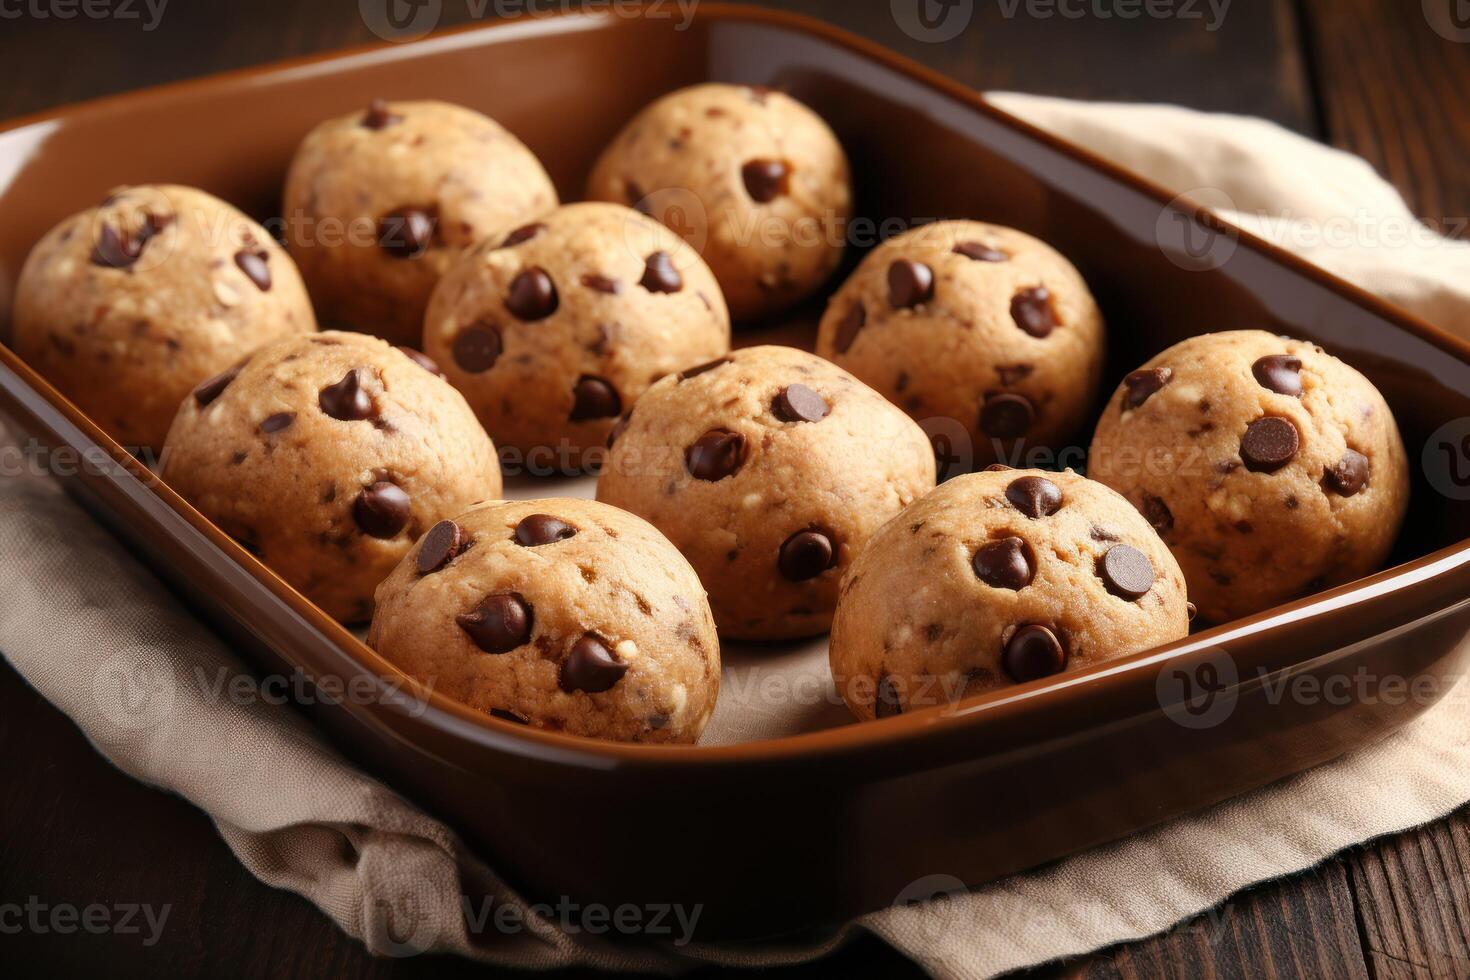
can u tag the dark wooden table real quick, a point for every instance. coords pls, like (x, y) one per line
(1367, 75)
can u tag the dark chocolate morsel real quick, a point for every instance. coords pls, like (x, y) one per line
(1005, 563)
(381, 510)
(477, 348)
(1281, 373)
(591, 666)
(1033, 312)
(909, 284)
(444, 541)
(1034, 496)
(1126, 572)
(594, 398)
(1141, 385)
(798, 403)
(209, 390)
(805, 555)
(1269, 443)
(539, 529)
(715, 455)
(500, 623)
(1032, 652)
(346, 399)
(1348, 475)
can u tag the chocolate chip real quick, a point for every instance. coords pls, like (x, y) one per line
(346, 400)
(766, 180)
(1191, 611)
(539, 529)
(888, 703)
(215, 386)
(1032, 652)
(1126, 572)
(1006, 415)
(422, 360)
(506, 715)
(591, 666)
(477, 348)
(594, 398)
(381, 510)
(997, 468)
(715, 455)
(120, 249)
(115, 250)
(1269, 443)
(1348, 475)
(980, 252)
(847, 329)
(255, 263)
(602, 284)
(909, 284)
(406, 233)
(1034, 496)
(1004, 564)
(277, 422)
(378, 116)
(805, 555)
(532, 295)
(798, 403)
(1143, 383)
(444, 541)
(699, 369)
(523, 234)
(1280, 373)
(659, 274)
(1033, 312)
(500, 623)
(619, 427)
(1157, 513)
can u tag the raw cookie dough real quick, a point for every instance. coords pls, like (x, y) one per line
(379, 203)
(567, 615)
(769, 469)
(754, 179)
(998, 578)
(327, 456)
(1272, 469)
(126, 306)
(985, 334)
(552, 330)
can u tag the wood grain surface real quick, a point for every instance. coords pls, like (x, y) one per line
(1387, 79)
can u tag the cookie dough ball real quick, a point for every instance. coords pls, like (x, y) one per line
(553, 330)
(769, 469)
(127, 306)
(567, 615)
(985, 333)
(327, 456)
(1272, 469)
(999, 578)
(753, 178)
(379, 203)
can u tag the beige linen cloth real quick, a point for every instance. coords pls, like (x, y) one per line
(97, 635)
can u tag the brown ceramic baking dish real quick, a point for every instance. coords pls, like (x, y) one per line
(798, 832)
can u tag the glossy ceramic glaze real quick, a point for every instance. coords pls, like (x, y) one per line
(803, 831)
